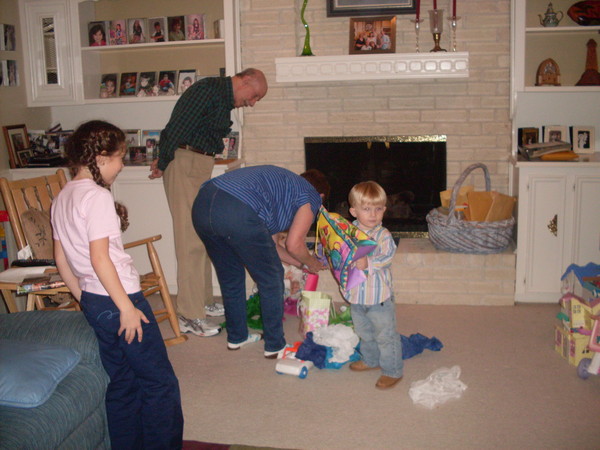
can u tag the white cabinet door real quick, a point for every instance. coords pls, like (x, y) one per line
(52, 62)
(558, 225)
(585, 242)
(540, 235)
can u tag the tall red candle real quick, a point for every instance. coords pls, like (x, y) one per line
(434, 4)
(418, 6)
(453, 8)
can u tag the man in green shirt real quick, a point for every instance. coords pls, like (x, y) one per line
(194, 134)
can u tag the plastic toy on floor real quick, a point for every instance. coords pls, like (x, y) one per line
(591, 366)
(290, 365)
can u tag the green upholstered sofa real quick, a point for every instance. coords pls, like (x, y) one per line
(74, 416)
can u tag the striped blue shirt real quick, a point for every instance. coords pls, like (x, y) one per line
(378, 286)
(273, 192)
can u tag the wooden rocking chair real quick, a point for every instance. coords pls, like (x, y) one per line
(28, 201)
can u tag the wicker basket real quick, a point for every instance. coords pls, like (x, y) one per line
(453, 234)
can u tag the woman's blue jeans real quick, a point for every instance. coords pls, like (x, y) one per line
(143, 403)
(380, 343)
(237, 239)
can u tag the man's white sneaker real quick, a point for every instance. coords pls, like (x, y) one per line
(199, 327)
(252, 337)
(215, 310)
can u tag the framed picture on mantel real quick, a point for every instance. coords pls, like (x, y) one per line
(372, 35)
(349, 8)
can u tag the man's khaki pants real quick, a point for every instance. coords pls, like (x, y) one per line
(182, 180)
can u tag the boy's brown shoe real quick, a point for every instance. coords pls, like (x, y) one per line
(386, 382)
(360, 366)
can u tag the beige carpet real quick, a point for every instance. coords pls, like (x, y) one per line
(520, 393)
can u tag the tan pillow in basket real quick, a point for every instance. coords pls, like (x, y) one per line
(38, 233)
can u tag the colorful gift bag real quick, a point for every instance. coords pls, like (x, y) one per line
(339, 244)
(314, 308)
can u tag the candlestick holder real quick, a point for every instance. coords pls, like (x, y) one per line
(453, 23)
(417, 23)
(436, 23)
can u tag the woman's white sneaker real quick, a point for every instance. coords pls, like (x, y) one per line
(252, 337)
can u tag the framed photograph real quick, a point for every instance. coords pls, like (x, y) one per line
(2, 37)
(108, 85)
(3, 73)
(349, 8)
(157, 29)
(372, 35)
(194, 27)
(136, 31)
(118, 32)
(554, 133)
(10, 38)
(147, 86)
(97, 34)
(16, 139)
(175, 25)
(166, 82)
(23, 156)
(132, 139)
(13, 73)
(583, 139)
(185, 79)
(150, 139)
(128, 84)
(230, 146)
(529, 136)
(137, 155)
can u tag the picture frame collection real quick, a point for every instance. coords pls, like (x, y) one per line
(9, 74)
(143, 146)
(147, 84)
(145, 30)
(581, 138)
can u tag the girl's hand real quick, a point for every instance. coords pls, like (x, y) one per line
(131, 323)
(362, 263)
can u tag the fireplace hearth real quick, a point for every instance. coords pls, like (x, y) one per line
(411, 169)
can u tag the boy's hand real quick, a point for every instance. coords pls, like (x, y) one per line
(362, 263)
(131, 323)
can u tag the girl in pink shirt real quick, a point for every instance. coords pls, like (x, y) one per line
(143, 404)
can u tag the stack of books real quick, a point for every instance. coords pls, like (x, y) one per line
(535, 151)
(37, 283)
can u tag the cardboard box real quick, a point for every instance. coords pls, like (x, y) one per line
(461, 198)
(489, 206)
(571, 346)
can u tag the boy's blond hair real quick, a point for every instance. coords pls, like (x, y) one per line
(367, 193)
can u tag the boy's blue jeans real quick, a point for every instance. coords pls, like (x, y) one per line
(143, 403)
(237, 239)
(380, 343)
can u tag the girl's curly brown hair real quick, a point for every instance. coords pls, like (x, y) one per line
(92, 139)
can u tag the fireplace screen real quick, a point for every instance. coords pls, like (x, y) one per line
(411, 169)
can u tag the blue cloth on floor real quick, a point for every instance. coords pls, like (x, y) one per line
(416, 343)
(320, 354)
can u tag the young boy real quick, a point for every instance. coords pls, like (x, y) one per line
(372, 302)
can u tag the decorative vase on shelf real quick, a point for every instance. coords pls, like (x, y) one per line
(306, 50)
(550, 18)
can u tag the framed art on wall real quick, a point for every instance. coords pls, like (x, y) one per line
(351, 8)
(16, 139)
(372, 35)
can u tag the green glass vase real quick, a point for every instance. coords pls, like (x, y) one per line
(306, 50)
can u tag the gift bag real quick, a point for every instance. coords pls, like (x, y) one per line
(315, 308)
(339, 244)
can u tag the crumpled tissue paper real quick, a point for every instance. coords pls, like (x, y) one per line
(442, 385)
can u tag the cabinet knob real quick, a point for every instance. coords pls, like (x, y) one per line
(553, 225)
